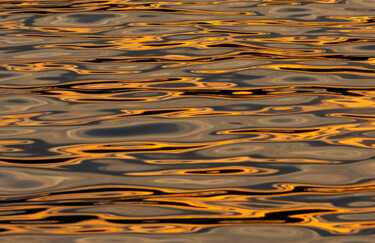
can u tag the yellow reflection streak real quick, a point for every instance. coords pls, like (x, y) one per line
(210, 171)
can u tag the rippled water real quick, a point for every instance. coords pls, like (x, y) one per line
(187, 121)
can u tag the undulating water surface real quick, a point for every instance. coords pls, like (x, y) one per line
(187, 121)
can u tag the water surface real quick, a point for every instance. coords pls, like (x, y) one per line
(187, 121)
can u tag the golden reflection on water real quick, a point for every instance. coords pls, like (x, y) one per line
(187, 120)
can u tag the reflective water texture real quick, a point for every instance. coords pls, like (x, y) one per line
(187, 121)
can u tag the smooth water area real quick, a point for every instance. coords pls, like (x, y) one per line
(187, 121)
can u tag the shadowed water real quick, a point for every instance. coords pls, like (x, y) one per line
(187, 121)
